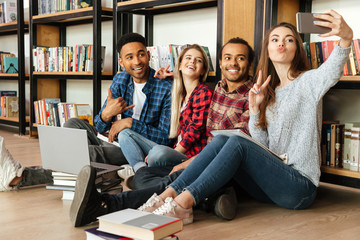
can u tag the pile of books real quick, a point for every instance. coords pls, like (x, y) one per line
(66, 59)
(318, 52)
(64, 182)
(52, 112)
(9, 104)
(135, 224)
(8, 11)
(341, 145)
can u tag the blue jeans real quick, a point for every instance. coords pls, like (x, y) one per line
(136, 147)
(261, 174)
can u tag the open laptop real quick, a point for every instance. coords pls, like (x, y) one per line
(66, 150)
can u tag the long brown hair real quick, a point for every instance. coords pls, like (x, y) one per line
(178, 88)
(299, 65)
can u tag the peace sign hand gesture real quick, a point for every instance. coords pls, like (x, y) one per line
(256, 94)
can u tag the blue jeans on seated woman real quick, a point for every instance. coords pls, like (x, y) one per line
(261, 174)
(136, 147)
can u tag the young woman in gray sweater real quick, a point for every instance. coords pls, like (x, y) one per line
(285, 116)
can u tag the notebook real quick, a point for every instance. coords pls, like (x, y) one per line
(66, 150)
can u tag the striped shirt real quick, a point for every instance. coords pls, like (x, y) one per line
(229, 110)
(154, 120)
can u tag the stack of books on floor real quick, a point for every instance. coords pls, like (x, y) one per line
(135, 224)
(64, 182)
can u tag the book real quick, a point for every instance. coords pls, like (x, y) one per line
(347, 144)
(68, 195)
(12, 107)
(238, 132)
(106, 139)
(83, 111)
(355, 149)
(8, 93)
(95, 234)
(10, 65)
(138, 224)
(336, 144)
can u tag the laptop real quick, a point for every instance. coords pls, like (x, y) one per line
(66, 150)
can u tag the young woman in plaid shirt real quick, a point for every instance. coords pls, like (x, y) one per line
(191, 100)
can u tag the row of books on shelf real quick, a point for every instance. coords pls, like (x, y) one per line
(8, 62)
(340, 145)
(9, 104)
(52, 112)
(8, 11)
(318, 52)
(162, 56)
(53, 6)
(65, 59)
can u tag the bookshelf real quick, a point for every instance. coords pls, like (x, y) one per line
(228, 12)
(49, 30)
(18, 28)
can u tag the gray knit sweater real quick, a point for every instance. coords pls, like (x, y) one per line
(294, 120)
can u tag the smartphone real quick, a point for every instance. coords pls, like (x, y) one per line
(305, 24)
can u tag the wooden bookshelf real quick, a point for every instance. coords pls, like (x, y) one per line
(50, 30)
(18, 29)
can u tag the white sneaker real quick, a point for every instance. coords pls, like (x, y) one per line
(126, 171)
(9, 168)
(172, 209)
(152, 204)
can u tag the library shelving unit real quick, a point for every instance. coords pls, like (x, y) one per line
(49, 30)
(18, 28)
(339, 175)
(228, 12)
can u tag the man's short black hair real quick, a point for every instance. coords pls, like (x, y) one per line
(128, 38)
(238, 40)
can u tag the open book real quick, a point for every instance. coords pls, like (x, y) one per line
(238, 132)
(105, 138)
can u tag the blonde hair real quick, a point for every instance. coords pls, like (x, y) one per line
(178, 89)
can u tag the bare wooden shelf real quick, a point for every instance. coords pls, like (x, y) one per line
(71, 73)
(70, 15)
(340, 172)
(350, 78)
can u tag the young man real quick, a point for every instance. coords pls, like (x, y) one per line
(142, 101)
(229, 109)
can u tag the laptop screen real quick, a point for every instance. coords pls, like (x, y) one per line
(63, 149)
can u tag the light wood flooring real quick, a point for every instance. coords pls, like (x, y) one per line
(38, 213)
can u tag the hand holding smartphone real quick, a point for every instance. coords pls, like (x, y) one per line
(305, 24)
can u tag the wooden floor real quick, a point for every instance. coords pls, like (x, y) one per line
(40, 214)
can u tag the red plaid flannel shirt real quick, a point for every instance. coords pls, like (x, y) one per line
(193, 120)
(229, 110)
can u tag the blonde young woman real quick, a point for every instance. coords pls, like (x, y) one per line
(191, 100)
(285, 115)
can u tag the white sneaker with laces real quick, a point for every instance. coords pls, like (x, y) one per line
(153, 203)
(126, 171)
(173, 209)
